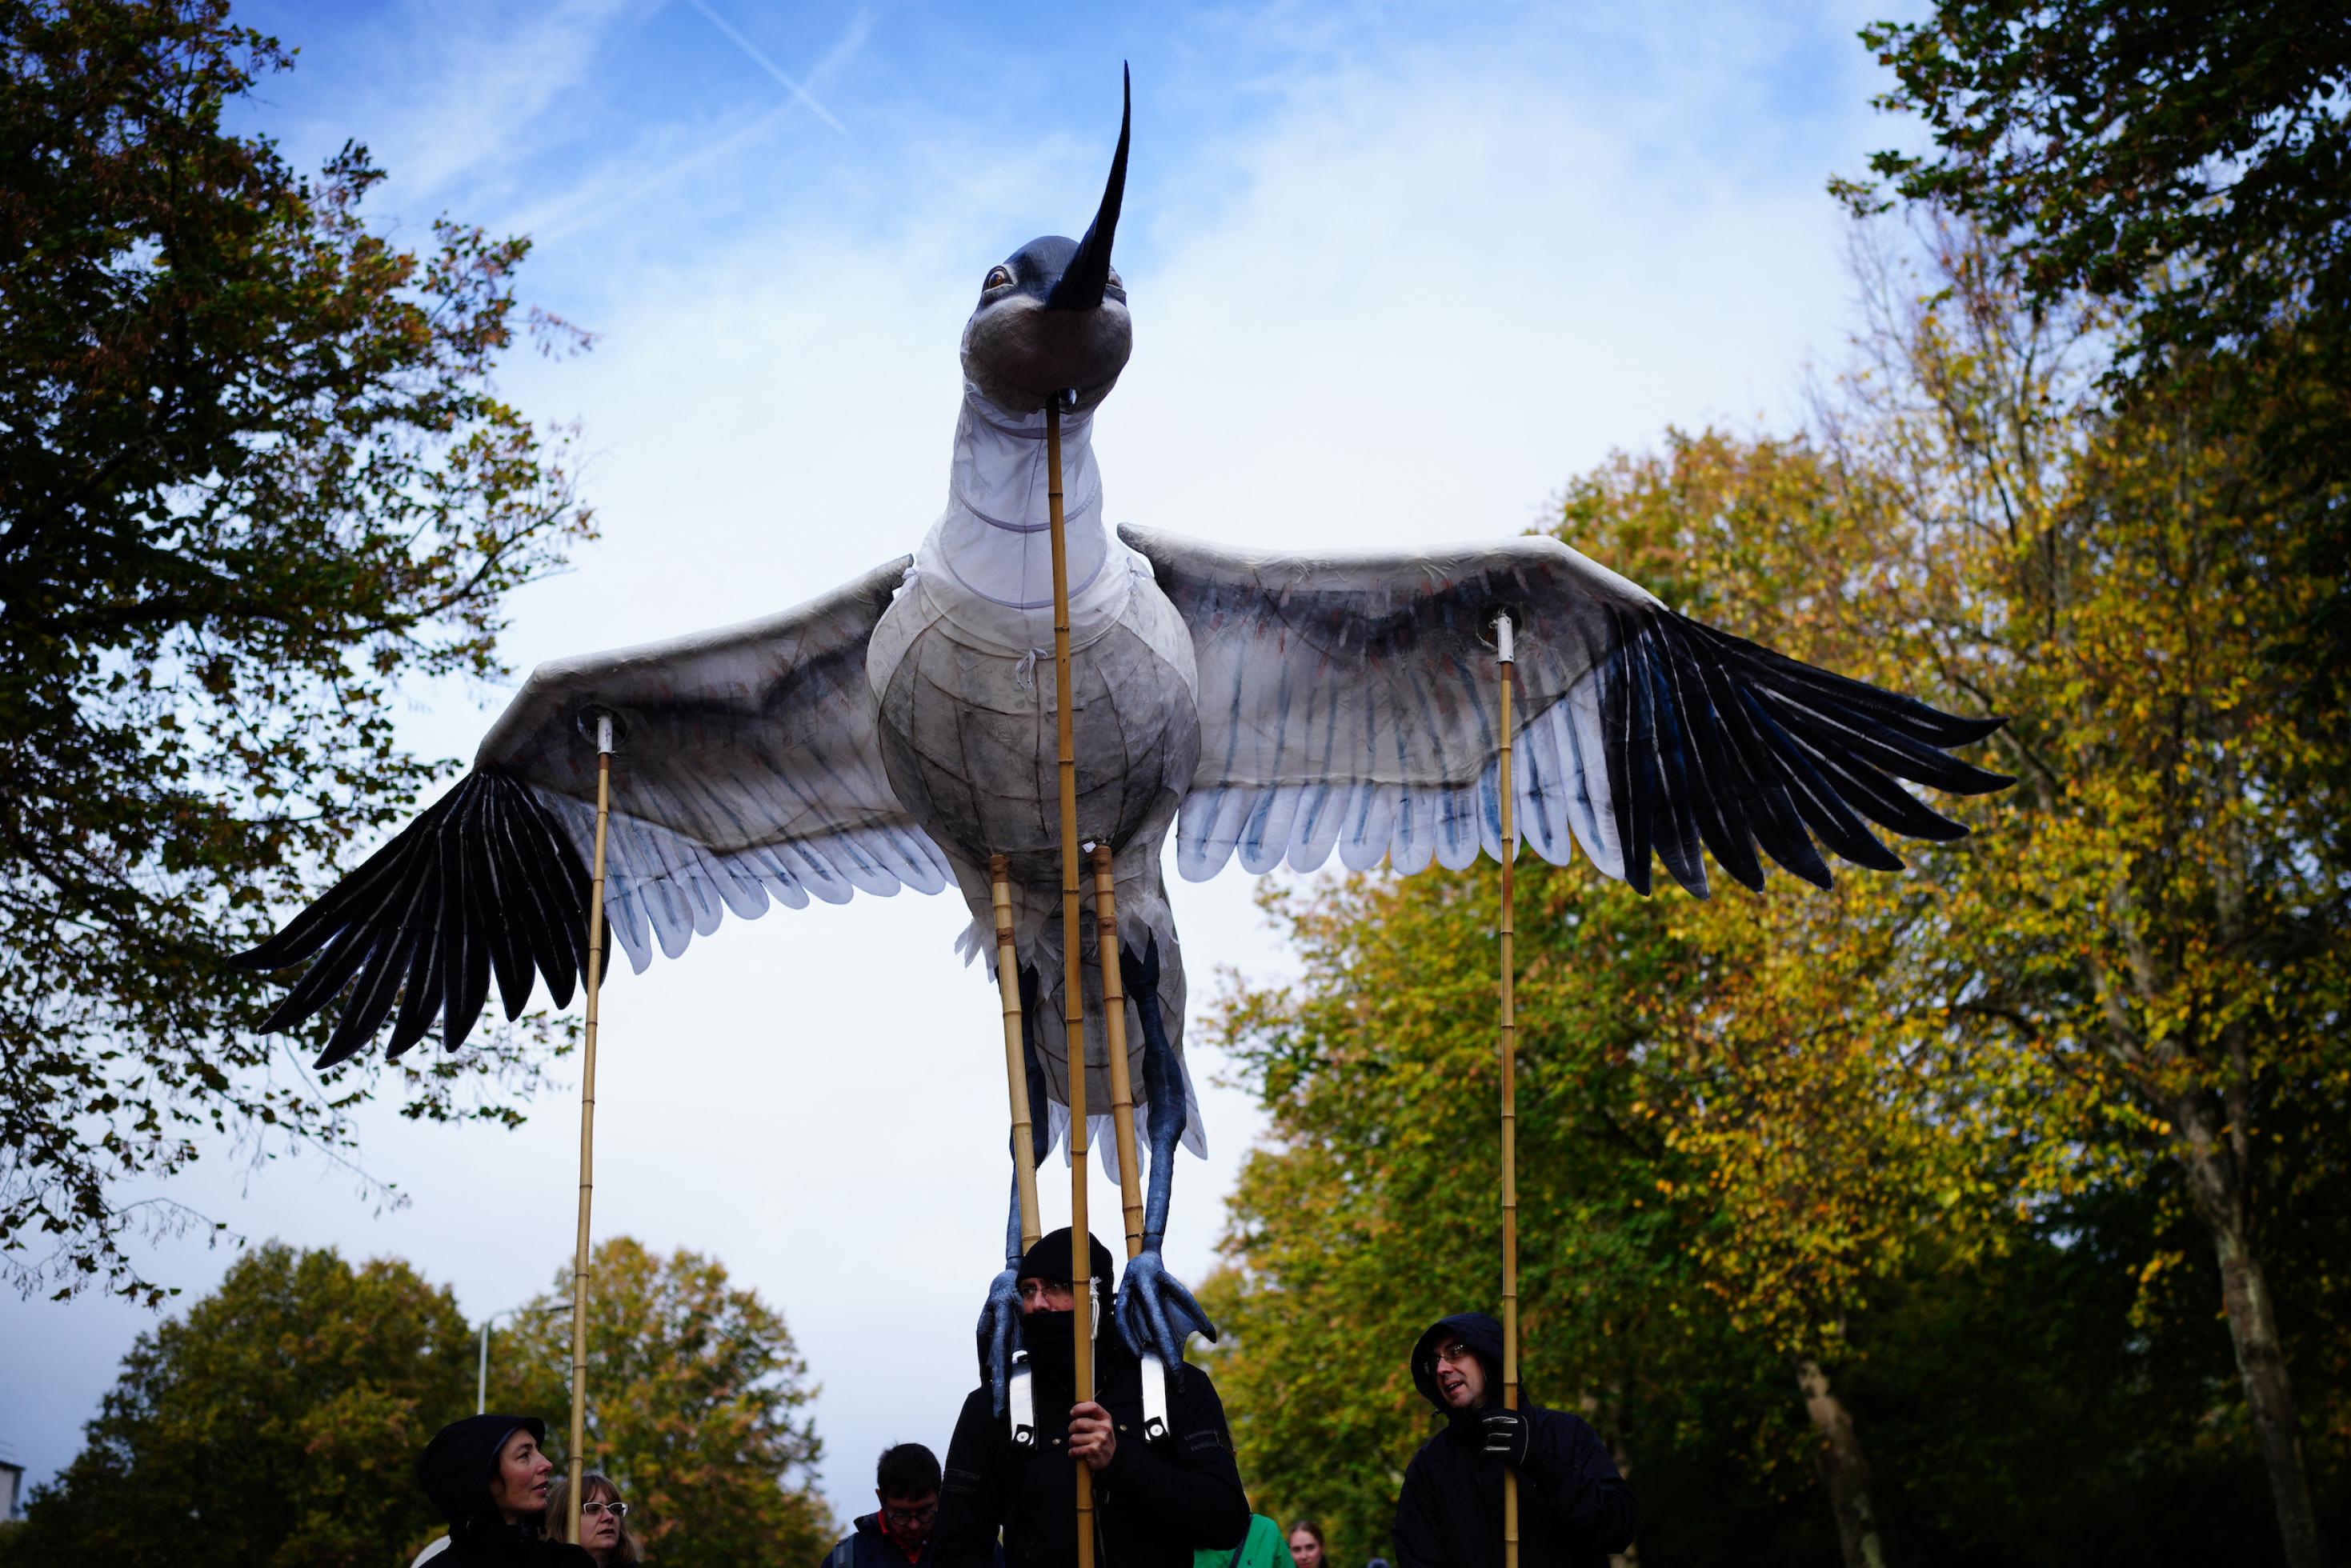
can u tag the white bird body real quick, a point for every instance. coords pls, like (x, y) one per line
(960, 668)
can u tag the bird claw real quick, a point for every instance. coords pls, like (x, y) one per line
(1156, 1313)
(1000, 1333)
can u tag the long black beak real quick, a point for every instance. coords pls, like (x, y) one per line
(1081, 284)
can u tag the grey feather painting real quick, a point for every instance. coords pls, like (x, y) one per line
(899, 731)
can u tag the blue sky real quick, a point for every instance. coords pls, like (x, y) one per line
(1397, 273)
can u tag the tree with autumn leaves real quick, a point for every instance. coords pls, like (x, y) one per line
(2189, 169)
(279, 1420)
(1757, 1132)
(255, 475)
(696, 1405)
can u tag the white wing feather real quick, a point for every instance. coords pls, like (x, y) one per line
(1350, 703)
(747, 769)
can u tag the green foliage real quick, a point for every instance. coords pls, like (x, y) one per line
(2196, 159)
(277, 1423)
(695, 1407)
(2192, 166)
(254, 476)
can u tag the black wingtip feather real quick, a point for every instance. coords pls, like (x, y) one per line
(350, 899)
(1721, 825)
(503, 909)
(1843, 759)
(534, 947)
(1624, 715)
(547, 863)
(1756, 783)
(1714, 740)
(484, 879)
(371, 1002)
(1775, 671)
(1730, 784)
(1824, 810)
(1677, 846)
(466, 986)
(1968, 732)
(420, 998)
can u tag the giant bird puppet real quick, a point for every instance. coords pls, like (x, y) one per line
(896, 733)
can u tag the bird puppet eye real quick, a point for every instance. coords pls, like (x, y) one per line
(997, 278)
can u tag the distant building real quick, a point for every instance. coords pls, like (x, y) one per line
(12, 1487)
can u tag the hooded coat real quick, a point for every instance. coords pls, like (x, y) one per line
(1155, 1503)
(1574, 1507)
(456, 1471)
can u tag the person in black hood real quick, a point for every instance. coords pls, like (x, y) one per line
(1156, 1501)
(1574, 1507)
(489, 1479)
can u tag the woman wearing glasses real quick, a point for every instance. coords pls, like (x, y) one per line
(603, 1518)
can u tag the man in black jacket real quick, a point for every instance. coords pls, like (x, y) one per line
(1156, 1501)
(489, 1479)
(1574, 1507)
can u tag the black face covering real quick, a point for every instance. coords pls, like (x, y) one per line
(1051, 1341)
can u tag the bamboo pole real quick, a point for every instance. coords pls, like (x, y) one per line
(1072, 970)
(1505, 659)
(1122, 1089)
(1016, 1074)
(588, 1127)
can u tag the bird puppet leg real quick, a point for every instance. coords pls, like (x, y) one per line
(999, 1317)
(1155, 1312)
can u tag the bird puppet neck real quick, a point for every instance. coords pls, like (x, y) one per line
(988, 559)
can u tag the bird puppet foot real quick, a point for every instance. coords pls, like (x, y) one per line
(1000, 1333)
(1155, 1313)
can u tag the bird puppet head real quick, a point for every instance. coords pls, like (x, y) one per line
(1051, 320)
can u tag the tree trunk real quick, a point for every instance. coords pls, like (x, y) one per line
(2218, 1200)
(1842, 1469)
(1605, 1422)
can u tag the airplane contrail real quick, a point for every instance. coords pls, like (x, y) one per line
(770, 67)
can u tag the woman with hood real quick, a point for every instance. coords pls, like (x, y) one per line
(489, 1479)
(1574, 1507)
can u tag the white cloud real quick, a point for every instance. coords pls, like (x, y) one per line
(457, 91)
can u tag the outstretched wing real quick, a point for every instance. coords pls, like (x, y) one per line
(745, 769)
(1349, 701)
